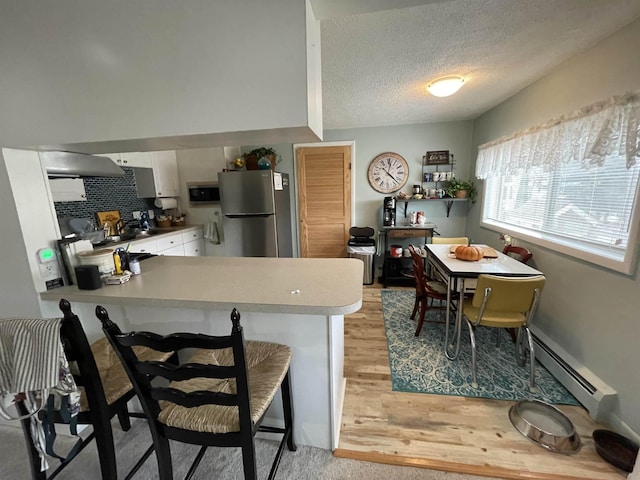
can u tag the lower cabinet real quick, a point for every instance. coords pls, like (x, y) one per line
(194, 249)
(177, 251)
(188, 243)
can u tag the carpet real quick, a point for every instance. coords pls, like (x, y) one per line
(418, 364)
(307, 463)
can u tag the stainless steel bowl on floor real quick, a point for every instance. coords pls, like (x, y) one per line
(545, 425)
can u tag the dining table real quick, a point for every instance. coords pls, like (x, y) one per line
(461, 277)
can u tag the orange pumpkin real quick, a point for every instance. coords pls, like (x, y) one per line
(469, 253)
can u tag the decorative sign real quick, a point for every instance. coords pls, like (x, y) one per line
(437, 157)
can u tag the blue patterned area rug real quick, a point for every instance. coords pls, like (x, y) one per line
(418, 364)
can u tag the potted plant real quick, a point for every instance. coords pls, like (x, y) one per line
(461, 189)
(252, 158)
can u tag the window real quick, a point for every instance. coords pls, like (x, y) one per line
(566, 188)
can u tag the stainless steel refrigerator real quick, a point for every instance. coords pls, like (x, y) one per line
(256, 209)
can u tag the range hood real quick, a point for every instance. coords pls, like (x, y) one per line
(69, 164)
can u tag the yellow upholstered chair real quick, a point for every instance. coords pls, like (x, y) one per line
(504, 302)
(450, 240)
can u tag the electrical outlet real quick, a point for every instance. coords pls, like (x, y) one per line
(151, 214)
(136, 215)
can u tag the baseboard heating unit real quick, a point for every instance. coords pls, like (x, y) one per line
(595, 395)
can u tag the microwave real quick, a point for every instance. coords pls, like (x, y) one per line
(202, 194)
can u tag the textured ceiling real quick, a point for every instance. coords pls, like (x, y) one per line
(377, 59)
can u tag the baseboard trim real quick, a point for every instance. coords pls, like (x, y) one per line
(481, 470)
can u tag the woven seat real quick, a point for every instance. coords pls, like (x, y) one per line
(104, 389)
(267, 364)
(113, 377)
(218, 396)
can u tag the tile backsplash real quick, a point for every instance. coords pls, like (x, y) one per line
(107, 193)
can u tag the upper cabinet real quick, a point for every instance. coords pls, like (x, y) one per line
(134, 159)
(67, 190)
(156, 173)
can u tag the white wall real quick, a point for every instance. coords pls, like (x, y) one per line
(589, 311)
(157, 75)
(29, 223)
(201, 165)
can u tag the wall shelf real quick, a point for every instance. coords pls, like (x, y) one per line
(449, 202)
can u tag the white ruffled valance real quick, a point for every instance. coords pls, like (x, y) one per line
(607, 130)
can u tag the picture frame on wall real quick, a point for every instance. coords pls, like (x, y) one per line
(437, 157)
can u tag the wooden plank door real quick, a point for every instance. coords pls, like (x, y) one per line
(324, 200)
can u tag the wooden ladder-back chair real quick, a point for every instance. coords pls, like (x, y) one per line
(505, 302)
(519, 253)
(217, 397)
(104, 389)
(427, 290)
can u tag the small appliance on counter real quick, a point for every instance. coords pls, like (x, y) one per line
(389, 212)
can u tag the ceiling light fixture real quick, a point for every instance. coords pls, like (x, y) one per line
(445, 86)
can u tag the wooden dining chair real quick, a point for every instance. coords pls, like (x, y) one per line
(104, 389)
(427, 290)
(217, 396)
(519, 253)
(504, 302)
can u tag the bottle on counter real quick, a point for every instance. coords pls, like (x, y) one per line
(134, 266)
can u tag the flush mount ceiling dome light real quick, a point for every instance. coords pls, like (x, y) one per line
(445, 86)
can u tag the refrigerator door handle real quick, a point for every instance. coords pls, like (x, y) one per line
(262, 215)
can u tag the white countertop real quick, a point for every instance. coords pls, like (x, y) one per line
(502, 265)
(326, 286)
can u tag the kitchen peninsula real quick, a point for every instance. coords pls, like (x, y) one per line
(300, 302)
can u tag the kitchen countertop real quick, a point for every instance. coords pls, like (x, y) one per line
(322, 286)
(160, 231)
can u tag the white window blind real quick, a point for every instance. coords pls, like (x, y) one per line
(586, 204)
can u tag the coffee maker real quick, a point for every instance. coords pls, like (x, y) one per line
(389, 212)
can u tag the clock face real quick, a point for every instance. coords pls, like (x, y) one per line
(388, 172)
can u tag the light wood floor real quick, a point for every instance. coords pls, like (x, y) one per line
(456, 434)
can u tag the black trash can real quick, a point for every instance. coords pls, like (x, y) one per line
(361, 245)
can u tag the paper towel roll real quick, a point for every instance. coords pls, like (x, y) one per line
(166, 203)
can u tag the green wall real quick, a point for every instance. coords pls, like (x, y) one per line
(589, 311)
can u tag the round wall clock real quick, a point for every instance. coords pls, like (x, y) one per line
(388, 172)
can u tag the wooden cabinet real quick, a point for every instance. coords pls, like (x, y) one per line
(160, 179)
(67, 190)
(397, 270)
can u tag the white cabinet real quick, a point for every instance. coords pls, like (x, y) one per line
(67, 190)
(130, 159)
(194, 248)
(193, 242)
(191, 235)
(161, 179)
(177, 251)
(135, 159)
(182, 243)
(169, 241)
(144, 246)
